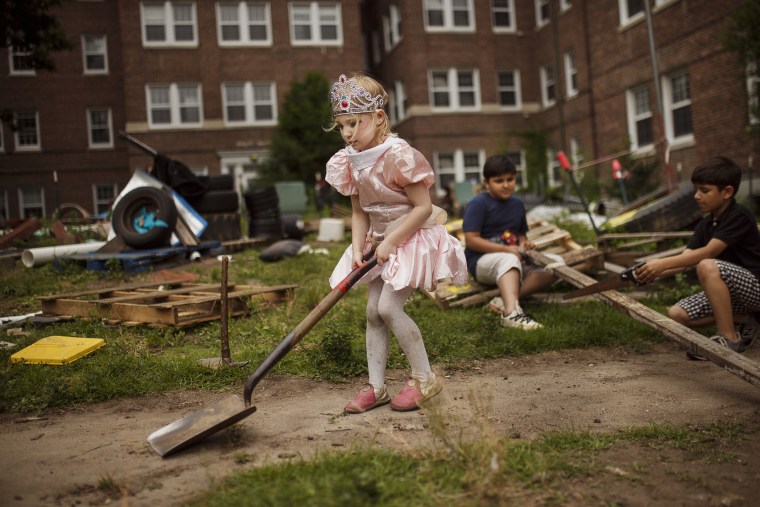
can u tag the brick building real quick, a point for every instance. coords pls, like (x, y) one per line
(202, 81)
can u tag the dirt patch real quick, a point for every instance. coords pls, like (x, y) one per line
(94, 453)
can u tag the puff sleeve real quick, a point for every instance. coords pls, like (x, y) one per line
(404, 165)
(338, 174)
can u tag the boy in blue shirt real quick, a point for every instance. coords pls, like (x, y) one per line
(495, 228)
(725, 249)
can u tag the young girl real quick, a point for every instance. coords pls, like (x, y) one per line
(388, 183)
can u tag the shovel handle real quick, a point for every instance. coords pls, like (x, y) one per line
(292, 339)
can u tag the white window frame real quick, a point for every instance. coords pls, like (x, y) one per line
(446, 7)
(392, 28)
(553, 168)
(375, 46)
(539, 6)
(508, 8)
(243, 24)
(397, 97)
(249, 103)
(96, 201)
(571, 74)
(17, 133)
(169, 24)
(753, 86)
(23, 206)
(314, 9)
(516, 89)
(174, 106)
(91, 143)
(576, 154)
(86, 53)
(670, 105)
(520, 175)
(453, 90)
(548, 81)
(13, 71)
(458, 169)
(633, 116)
(565, 5)
(625, 17)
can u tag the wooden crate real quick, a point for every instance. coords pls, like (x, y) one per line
(176, 304)
(548, 238)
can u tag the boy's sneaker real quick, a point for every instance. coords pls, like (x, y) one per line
(416, 393)
(736, 346)
(520, 320)
(749, 331)
(367, 399)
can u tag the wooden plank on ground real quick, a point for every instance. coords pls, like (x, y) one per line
(731, 361)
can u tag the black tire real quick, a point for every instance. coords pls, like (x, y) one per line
(218, 182)
(216, 201)
(129, 218)
(674, 212)
(222, 227)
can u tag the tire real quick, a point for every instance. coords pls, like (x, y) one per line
(145, 218)
(222, 227)
(674, 212)
(216, 201)
(218, 182)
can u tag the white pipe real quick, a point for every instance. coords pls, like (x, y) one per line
(36, 256)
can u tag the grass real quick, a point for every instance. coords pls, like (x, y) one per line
(142, 360)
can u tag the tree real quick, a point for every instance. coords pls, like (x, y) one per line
(743, 37)
(29, 24)
(300, 146)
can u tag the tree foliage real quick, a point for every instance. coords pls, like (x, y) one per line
(300, 146)
(31, 25)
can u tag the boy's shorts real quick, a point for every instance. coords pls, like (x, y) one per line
(743, 288)
(493, 266)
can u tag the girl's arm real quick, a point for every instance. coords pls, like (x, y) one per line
(657, 267)
(359, 228)
(422, 207)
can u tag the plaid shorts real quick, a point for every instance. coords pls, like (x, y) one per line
(743, 288)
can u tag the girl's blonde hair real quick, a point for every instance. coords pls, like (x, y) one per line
(375, 89)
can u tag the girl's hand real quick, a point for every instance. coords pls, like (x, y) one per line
(384, 251)
(358, 258)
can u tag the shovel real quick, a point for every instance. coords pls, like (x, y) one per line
(196, 426)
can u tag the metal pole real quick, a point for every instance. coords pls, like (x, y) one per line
(226, 358)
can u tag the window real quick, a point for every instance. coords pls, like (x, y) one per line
(168, 24)
(517, 159)
(249, 103)
(95, 54)
(503, 15)
(565, 5)
(753, 94)
(20, 61)
(548, 87)
(509, 89)
(454, 89)
(99, 128)
(31, 202)
(457, 166)
(677, 104)
(315, 23)
(571, 75)
(27, 135)
(542, 12)
(397, 103)
(244, 23)
(174, 105)
(553, 170)
(375, 47)
(103, 196)
(576, 155)
(639, 118)
(630, 10)
(449, 15)
(3, 206)
(391, 28)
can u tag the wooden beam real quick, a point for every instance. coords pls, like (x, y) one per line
(731, 361)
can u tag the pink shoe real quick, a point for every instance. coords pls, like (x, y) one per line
(367, 400)
(414, 395)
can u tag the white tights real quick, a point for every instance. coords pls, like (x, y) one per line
(385, 314)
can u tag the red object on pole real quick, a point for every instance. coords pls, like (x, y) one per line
(563, 161)
(617, 169)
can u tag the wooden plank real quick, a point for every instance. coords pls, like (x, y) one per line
(108, 290)
(731, 361)
(236, 294)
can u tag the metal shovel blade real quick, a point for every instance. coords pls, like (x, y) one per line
(198, 425)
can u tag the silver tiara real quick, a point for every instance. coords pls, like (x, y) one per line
(348, 97)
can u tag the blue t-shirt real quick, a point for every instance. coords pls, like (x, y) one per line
(496, 220)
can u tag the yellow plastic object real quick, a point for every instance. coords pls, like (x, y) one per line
(57, 350)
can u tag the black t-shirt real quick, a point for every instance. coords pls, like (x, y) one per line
(737, 228)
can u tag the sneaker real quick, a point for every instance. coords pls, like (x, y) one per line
(367, 399)
(496, 305)
(416, 393)
(749, 331)
(520, 320)
(736, 346)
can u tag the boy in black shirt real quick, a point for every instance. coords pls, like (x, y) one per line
(725, 249)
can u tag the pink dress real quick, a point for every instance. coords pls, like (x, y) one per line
(378, 176)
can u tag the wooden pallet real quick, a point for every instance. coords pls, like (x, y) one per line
(176, 304)
(548, 238)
